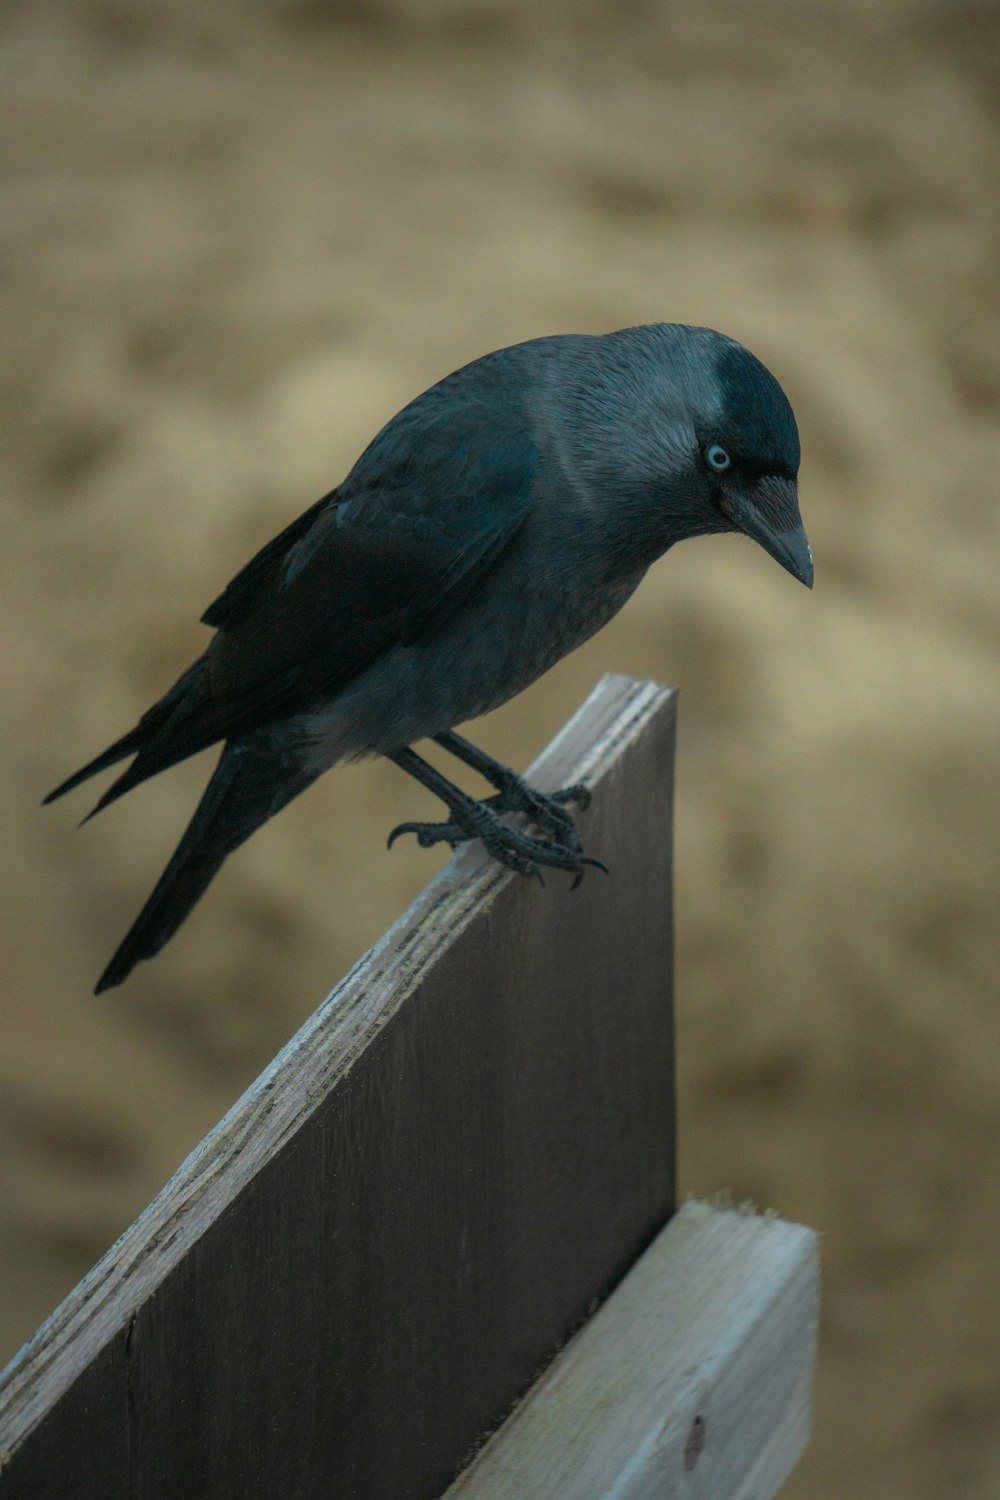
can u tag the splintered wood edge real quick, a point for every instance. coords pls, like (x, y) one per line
(694, 1377)
(300, 1077)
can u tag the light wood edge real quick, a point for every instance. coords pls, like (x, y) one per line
(291, 1087)
(714, 1325)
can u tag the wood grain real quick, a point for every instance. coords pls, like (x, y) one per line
(355, 1275)
(693, 1379)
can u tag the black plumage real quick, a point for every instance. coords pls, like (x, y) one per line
(492, 526)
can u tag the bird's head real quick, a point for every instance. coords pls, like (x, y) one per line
(688, 426)
(747, 459)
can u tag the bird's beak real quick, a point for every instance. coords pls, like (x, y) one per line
(772, 519)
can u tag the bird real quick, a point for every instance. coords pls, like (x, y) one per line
(493, 525)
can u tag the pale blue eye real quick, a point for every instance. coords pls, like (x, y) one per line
(716, 457)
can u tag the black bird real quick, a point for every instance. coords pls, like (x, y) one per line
(491, 527)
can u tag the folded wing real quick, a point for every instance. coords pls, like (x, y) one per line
(383, 560)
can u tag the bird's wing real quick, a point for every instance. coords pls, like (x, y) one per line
(383, 560)
(262, 568)
(367, 584)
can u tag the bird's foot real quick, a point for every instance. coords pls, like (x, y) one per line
(545, 810)
(472, 819)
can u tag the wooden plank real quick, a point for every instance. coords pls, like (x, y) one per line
(76, 1437)
(693, 1379)
(360, 1269)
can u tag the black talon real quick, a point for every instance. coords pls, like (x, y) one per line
(585, 859)
(429, 834)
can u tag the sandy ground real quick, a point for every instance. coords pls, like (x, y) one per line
(235, 240)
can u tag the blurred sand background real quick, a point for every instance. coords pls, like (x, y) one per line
(236, 238)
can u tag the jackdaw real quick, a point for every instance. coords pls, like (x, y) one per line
(492, 526)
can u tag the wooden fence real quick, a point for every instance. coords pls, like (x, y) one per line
(448, 1202)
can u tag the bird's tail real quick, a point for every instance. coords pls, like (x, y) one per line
(127, 745)
(250, 784)
(151, 741)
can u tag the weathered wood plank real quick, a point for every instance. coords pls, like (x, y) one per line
(694, 1378)
(359, 1270)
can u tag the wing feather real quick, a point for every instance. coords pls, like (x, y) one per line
(383, 560)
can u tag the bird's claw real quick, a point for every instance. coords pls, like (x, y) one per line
(428, 834)
(586, 860)
(546, 810)
(579, 794)
(518, 851)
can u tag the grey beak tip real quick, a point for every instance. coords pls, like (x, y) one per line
(797, 557)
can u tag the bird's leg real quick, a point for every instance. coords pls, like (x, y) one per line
(546, 810)
(471, 819)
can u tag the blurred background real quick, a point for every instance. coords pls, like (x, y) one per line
(236, 238)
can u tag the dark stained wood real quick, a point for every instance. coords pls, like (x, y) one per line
(84, 1433)
(349, 1283)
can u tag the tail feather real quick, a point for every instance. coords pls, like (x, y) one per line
(127, 745)
(141, 769)
(249, 785)
(148, 736)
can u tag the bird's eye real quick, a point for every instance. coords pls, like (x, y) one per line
(717, 458)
